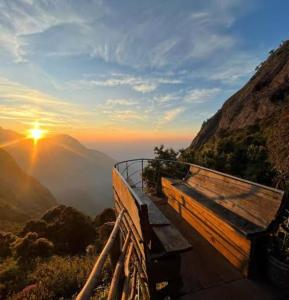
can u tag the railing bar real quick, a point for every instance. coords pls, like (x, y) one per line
(127, 272)
(129, 225)
(86, 291)
(118, 270)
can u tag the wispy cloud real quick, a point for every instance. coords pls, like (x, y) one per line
(172, 114)
(201, 95)
(137, 83)
(43, 28)
(25, 105)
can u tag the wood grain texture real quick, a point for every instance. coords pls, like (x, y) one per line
(171, 239)
(230, 243)
(254, 202)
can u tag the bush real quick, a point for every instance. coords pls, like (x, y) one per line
(32, 246)
(62, 277)
(69, 230)
(242, 153)
(6, 239)
(108, 215)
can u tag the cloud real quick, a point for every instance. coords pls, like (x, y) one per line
(142, 84)
(200, 95)
(144, 87)
(121, 102)
(25, 105)
(131, 35)
(172, 114)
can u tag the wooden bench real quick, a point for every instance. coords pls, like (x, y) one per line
(158, 244)
(231, 213)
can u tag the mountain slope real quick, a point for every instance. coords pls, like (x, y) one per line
(21, 196)
(77, 176)
(257, 115)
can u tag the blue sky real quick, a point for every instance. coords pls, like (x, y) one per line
(141, 72)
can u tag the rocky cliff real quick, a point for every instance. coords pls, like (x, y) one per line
(259, 109)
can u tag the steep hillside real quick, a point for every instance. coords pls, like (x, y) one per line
(77, 176)
(257, 117)
(21, 196)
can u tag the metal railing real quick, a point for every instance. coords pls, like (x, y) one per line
(146, 173)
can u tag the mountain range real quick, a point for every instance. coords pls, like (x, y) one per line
(75, 175)
(22, 197)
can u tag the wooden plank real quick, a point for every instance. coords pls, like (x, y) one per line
(156, 218)
(209, 218)
(231, 244)
(257, 203)
(128, 201)
(136, 239)
(237, 258)
(194, 169)
(243, 204)
(171, 239)
(203, 266)
(239, 223)
(87, 289)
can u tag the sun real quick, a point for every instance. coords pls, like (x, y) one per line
(36, 133)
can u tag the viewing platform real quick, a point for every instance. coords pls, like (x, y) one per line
(187, 232)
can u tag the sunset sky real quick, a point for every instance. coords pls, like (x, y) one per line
(123, 76)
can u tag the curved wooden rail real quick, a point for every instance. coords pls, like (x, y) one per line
(86, 291)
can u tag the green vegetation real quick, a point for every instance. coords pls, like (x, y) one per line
(242, 153)
(155, 169)
(52, 257)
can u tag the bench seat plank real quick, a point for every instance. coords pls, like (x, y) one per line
(256, 203)
(171, 239)
(237, 222)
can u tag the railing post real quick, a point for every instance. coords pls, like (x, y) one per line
(142, 174)
(126, 166)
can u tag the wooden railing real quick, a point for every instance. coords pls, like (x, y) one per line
(90, 284)
(130, 274)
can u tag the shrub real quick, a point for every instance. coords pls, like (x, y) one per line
(69, 230)
(6, 239)
(108, 215)
(63, 277)
(32, 246)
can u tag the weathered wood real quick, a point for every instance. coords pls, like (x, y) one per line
(133, 284)
(136, 239)
(171, 239)
(256, 203)
(126, 287)
(239, 223)
(118, 272)
(225, 210)
(86, 291)
(237, 258)
(128, 201)
(233, 245)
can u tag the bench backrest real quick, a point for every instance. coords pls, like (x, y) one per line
(254, 202)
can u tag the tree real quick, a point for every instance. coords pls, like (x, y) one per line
(166, 164)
